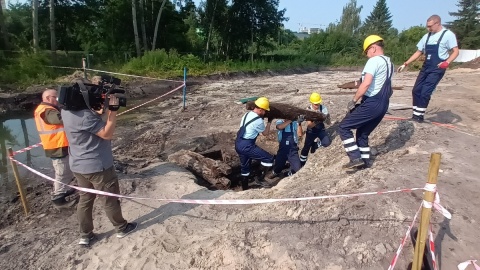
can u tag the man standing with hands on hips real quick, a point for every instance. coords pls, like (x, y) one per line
(436, 45)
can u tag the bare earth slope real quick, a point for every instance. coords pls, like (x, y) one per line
(333, 234)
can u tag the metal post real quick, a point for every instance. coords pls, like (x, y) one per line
(184, 86)
(428, 199)
(26, 208)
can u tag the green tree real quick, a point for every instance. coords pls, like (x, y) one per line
(285, 37)
(379, 21)
(412, 35)
(19, 25)
(251, 24)
(35, 25)
(3, 31)
(188, 12)
(467, 25)
(350, 21)
(214, 24)
(135, 28)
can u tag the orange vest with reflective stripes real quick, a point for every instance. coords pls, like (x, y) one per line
(52, 136)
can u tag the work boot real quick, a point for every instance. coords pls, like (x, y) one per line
(272, 175)
(262, 183)
(70, 192)
(417, 118)
(245, 180)
(368, 163)
(358, 162)
(130, 228)
(263, 171)
(85, 241)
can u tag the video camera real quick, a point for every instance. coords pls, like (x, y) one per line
(82, 95)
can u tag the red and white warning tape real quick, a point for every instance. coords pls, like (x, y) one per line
(404, 240)
(64, 67)
(133, 76)
(432, 248)
(464, 265)
(437, 206)
(27, 148)
(248, 201)
(168, 93)
(115, 73)
(143, 104)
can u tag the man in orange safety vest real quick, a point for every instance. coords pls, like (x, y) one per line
(54, 140)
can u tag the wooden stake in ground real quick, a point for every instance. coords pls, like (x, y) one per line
(428, 199)
(19, 183)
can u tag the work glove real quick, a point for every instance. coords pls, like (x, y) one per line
(300, 118)
(113, 103)
(400, 68)
(351, 105)
(443, 65)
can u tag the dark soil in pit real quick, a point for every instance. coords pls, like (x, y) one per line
(155, 145)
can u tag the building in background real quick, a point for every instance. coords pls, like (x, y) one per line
(4, 4)
(310, 30)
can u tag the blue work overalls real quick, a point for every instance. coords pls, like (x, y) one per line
(287, 150)
(248, 150)
(318, 131)
(428, 78)
(365, 118)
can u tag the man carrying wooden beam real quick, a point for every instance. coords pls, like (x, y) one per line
(316, 135)
(251, 126)
(288, 133)
(375, 92)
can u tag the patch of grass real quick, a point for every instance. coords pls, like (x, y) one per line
(29, 68)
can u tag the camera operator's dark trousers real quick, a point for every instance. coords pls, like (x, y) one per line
(104, 181)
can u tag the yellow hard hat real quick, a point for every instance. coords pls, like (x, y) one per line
(315, 98)
(370, 40)
(263, 103)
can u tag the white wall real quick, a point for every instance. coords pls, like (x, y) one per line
(467, 55)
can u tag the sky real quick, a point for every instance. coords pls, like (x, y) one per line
(405, 13)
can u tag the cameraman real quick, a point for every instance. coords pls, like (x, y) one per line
(91, 160)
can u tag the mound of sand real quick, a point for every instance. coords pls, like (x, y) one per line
(473, 64)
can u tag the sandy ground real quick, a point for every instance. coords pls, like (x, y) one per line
(333, 234)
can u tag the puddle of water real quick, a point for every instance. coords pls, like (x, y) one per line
(19, 133)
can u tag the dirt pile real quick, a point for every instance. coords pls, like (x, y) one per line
(473, 64)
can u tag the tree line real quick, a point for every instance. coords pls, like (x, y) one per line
(215, 31)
